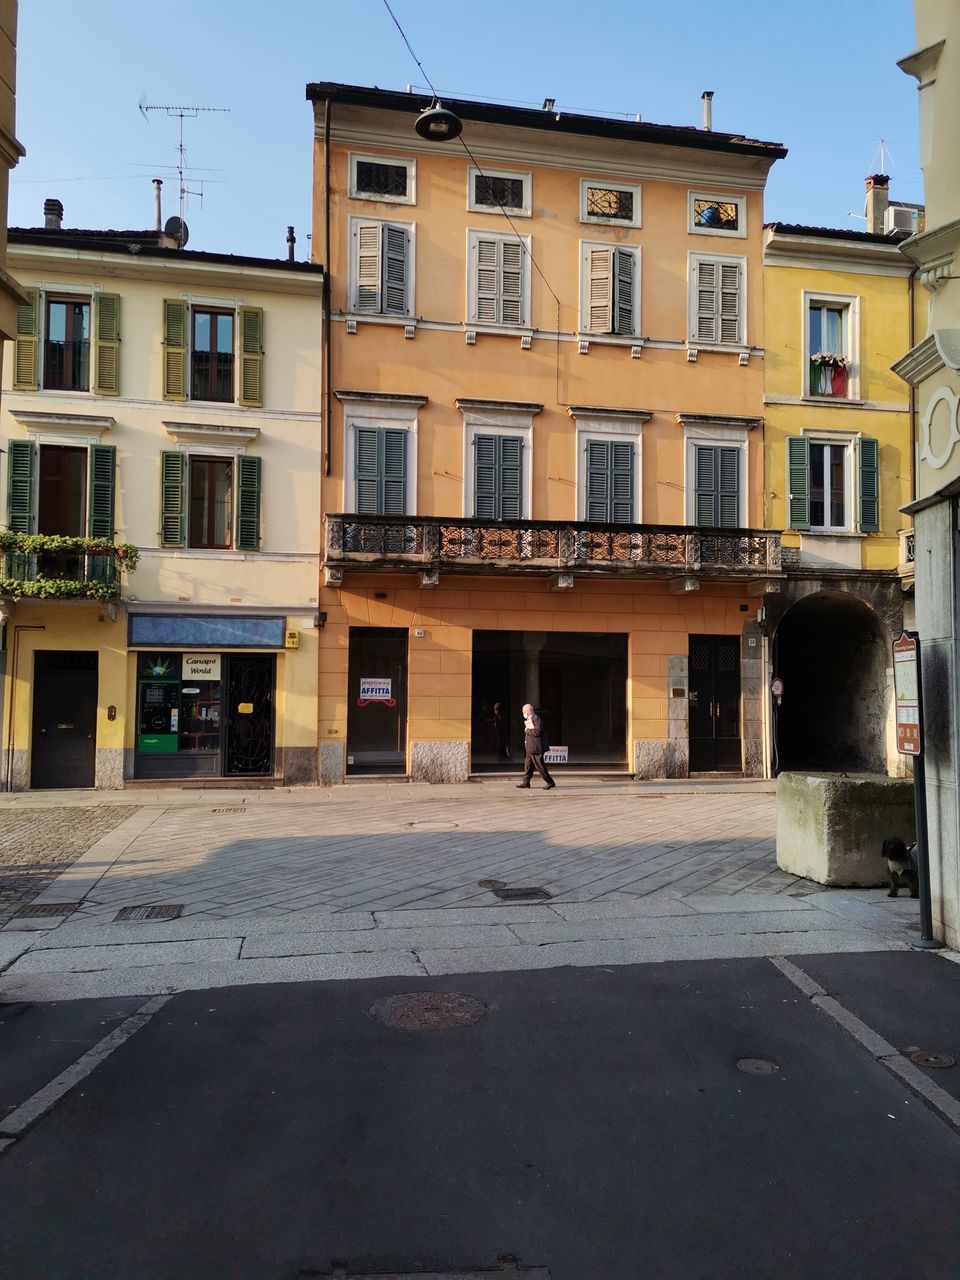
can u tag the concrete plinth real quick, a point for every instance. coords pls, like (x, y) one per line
(830, 826)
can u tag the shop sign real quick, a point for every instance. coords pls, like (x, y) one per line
(906, 679)
(201, 666)
(556, 755)
(376, 689)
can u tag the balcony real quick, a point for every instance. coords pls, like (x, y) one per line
(51, 567)
(544, 547)
(905, 567)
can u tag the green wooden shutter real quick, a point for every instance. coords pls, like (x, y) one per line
(485, 477)
(624, 263)
(498, 477)
(27, 345)
(21, 486)
(175, 321)
(173, 495)
(728, 487)
(107, 331)
(705, 467)
(396, 241)
(367, 470)
(597, 505)
(622, 473)
(869, 485)
(102, 464)
(510, 449)
(250, 321)
(248, 504)
(798, 482)
(393, 470)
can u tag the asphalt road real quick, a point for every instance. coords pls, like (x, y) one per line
(593, 1123)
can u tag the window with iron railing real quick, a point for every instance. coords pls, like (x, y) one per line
(66, 348)
(211, 363)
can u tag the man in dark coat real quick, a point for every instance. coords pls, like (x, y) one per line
(533, 746)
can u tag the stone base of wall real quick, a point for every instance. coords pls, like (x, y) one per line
(439, 761)
(109, 769)
(297, 766)
(830, 827)
(658, 758)
(20, 770)
(331, 763)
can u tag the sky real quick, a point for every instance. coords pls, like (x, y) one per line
(819, 77)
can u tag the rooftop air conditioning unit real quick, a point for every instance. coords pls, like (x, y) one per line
(896, 218)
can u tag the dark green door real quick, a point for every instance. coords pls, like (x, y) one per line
(714, 704)
(64, 751)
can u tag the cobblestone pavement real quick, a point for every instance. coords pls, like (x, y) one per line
(36, 845)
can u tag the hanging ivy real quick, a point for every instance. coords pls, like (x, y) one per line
(120, 555)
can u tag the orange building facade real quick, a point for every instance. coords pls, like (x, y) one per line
(543, 441)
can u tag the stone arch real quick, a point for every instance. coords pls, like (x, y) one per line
(832, 650)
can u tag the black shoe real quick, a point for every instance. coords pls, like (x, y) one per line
(523, 786)
(549, 786)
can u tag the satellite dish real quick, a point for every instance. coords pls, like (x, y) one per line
(178, 230)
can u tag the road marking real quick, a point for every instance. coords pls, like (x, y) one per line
(945, 1105)
(19, 1120)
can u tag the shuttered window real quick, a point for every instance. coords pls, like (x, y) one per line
(717, 305)
(869, 485)
(248, 504)
(498, 284)
(174, 349)
(107, 339)
(173, 498)
(610, 480)
(21, 486)
(27, 345)
(250, 323)
(717, 480)
(818, 478)
(380, 470)
(382, 268)
(798, 482)
(101, 506)
(498, 477)
(610, 276)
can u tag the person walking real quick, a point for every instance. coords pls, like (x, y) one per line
(533, 746)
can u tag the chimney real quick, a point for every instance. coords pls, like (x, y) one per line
(878, 199)
(52, 215)
(157, 185)
(707, 99)
(291, 243)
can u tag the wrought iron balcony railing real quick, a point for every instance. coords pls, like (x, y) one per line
(51, 567)
(545, 546)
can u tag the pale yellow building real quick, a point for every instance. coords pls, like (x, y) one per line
(161, 407)
(543, 419)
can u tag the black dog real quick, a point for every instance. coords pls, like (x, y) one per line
(901, 865)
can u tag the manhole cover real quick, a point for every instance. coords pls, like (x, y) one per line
(428, 1010)
(47, 909)
(491, 884)
(924, 1059)
(757, 1066)
(535, 894)
(434, 824)
(165, 912)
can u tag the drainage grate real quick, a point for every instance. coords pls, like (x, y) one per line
(238, 809)
(47, 909)
(757, 1066)
(924, 1059)
(428, 1010)
(168, 911)
(535, 894)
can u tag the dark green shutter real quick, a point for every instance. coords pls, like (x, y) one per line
(250, 320)
(706, 485)
(798, 482)
(380, 470)
(610, 481)
(107, 331)
(367, 471)
(393, 451)
(498, 470)
(485, 477)
(100, 507)
(510, 459)
(175, 319)
(173, 468)
(27, 344)
(598, 481)
(21, 486)
(728, 487)
(869, 485)
(621, 482)
(248, 504)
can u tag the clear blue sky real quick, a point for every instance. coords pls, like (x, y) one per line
(820, 77)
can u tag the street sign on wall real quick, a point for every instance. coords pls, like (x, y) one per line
(906, 680)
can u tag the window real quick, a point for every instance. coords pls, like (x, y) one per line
(381, 268)
(610, 289)
(209, 502)
(379, 178)
(610, 481)
(202, 347)
(716, 215)
(494, 190)
(499, 287)
(828, 346)
(498, 477)
(830, 479)
(717, 485)
(61, 490)
(211, 356)
(54, 339)
(609, 204)
(717, 300)
(380, 456)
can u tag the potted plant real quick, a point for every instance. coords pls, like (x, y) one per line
(828, 374)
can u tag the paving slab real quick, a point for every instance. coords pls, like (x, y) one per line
(764, 922)
(305, 944)
(149, 931)
(413, 917)
(124, 956)
(621, 908)
(746, 900)
(14, 945)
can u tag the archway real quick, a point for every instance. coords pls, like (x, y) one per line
(832, 652)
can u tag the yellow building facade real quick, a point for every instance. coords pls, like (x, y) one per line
(544, 472)
(160, 410)
(837, 307)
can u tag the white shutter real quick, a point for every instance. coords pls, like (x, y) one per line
(511, 282)
(368, 255)
(624, 261)
(396, 242)
(730, 302)
(486, 281)
(599, 315)
(706, 299)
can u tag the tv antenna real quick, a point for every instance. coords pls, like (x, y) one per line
(181, 113)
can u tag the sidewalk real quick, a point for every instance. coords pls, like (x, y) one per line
(392, 879)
